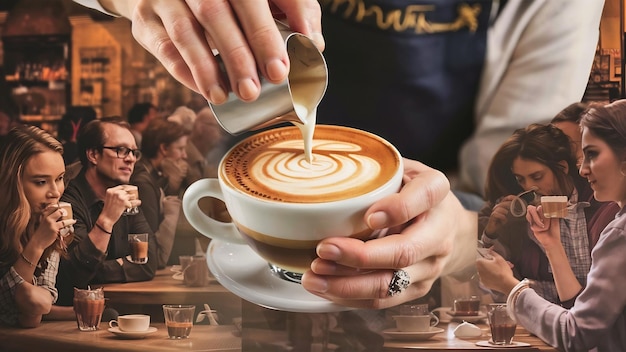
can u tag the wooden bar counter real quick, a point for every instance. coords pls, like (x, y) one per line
(65, 336)
(164, 289)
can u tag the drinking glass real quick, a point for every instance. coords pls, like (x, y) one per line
(179, 320)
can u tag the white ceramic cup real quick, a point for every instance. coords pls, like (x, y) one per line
(131, 322)
(286, 232)
(415, 323)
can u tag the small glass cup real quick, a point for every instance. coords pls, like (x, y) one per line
(196, 273)
(501, 324)
(66, 233)
(133, 192)
(138, 244)
(179, 320)
(88, 307)
(467, 306)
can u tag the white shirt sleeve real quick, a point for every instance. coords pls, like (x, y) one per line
(95, 4)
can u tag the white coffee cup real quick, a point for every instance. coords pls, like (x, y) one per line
(283, 217)
(415, 323)
(131, 322)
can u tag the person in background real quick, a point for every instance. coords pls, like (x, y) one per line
(599, 214)
(161, 140)
(139, 116)
(98, 195)
(538, 158)
(597, 320)
(448, 67)
(567, 120)
(31, 227)
(71, 122)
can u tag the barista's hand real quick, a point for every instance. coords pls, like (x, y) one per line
(430, 234)
(182, 33)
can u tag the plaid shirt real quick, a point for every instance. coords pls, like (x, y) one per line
(11, 279)
(576, 245)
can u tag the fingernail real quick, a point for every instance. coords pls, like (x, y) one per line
(314, 283)
(217, 95)
(276, 70)
(318, 38)
(328, 252)
(248, 90)
(377, 220)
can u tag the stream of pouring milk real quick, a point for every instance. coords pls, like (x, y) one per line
(307, 128)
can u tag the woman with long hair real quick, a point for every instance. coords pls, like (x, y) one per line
(31, 226)
(597, 320)
(538, 159)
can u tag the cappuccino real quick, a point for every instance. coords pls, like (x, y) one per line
(345, 163)
(282, 205)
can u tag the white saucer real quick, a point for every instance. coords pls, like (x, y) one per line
(176, 268)
(512, 345)
(130, 259)
(239, 269)
(467, 318)
(178, 276)
(412, 335)
(132, 334)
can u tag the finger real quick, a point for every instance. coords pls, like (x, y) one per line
(325, 267)
(391, 251)
(224, 29)
(188, 37)
(265, 40)
(149, 30)
(304, 17)
(424, 188)
(370, 290)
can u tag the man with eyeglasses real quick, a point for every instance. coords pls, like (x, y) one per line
(100, 198)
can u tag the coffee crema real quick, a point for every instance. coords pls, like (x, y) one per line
(346, 163)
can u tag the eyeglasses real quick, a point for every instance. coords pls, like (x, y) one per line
(122, 152)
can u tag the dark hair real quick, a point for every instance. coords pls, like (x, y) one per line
(608, 122)
(544, 144)
(92, 136)
(572, 113)
(137, 112)
(73, 120)
(159, 132)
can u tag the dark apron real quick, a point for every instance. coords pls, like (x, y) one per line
(413, 83)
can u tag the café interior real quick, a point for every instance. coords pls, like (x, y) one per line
(56, 55)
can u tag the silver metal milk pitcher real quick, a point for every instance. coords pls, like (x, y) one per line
(289, 101)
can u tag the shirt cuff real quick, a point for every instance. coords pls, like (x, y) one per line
(95, 4)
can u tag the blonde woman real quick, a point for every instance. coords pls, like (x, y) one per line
(31, 184)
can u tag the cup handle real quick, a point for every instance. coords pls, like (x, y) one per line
(434, 321)
(113, 323)
(225, 231)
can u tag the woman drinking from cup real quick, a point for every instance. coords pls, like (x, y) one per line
(31, 226)
(597, 320)
(539, 159)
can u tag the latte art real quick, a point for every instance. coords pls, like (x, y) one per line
(272, 165)
(336, 167)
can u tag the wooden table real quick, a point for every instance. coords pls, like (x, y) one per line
(147, 297)
(446, 341)
(164, 289)
(65, 336)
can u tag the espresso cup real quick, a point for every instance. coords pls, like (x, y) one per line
(467, 306)
(131, 322)
(415, 323)
(554, 206)
(282, 206)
